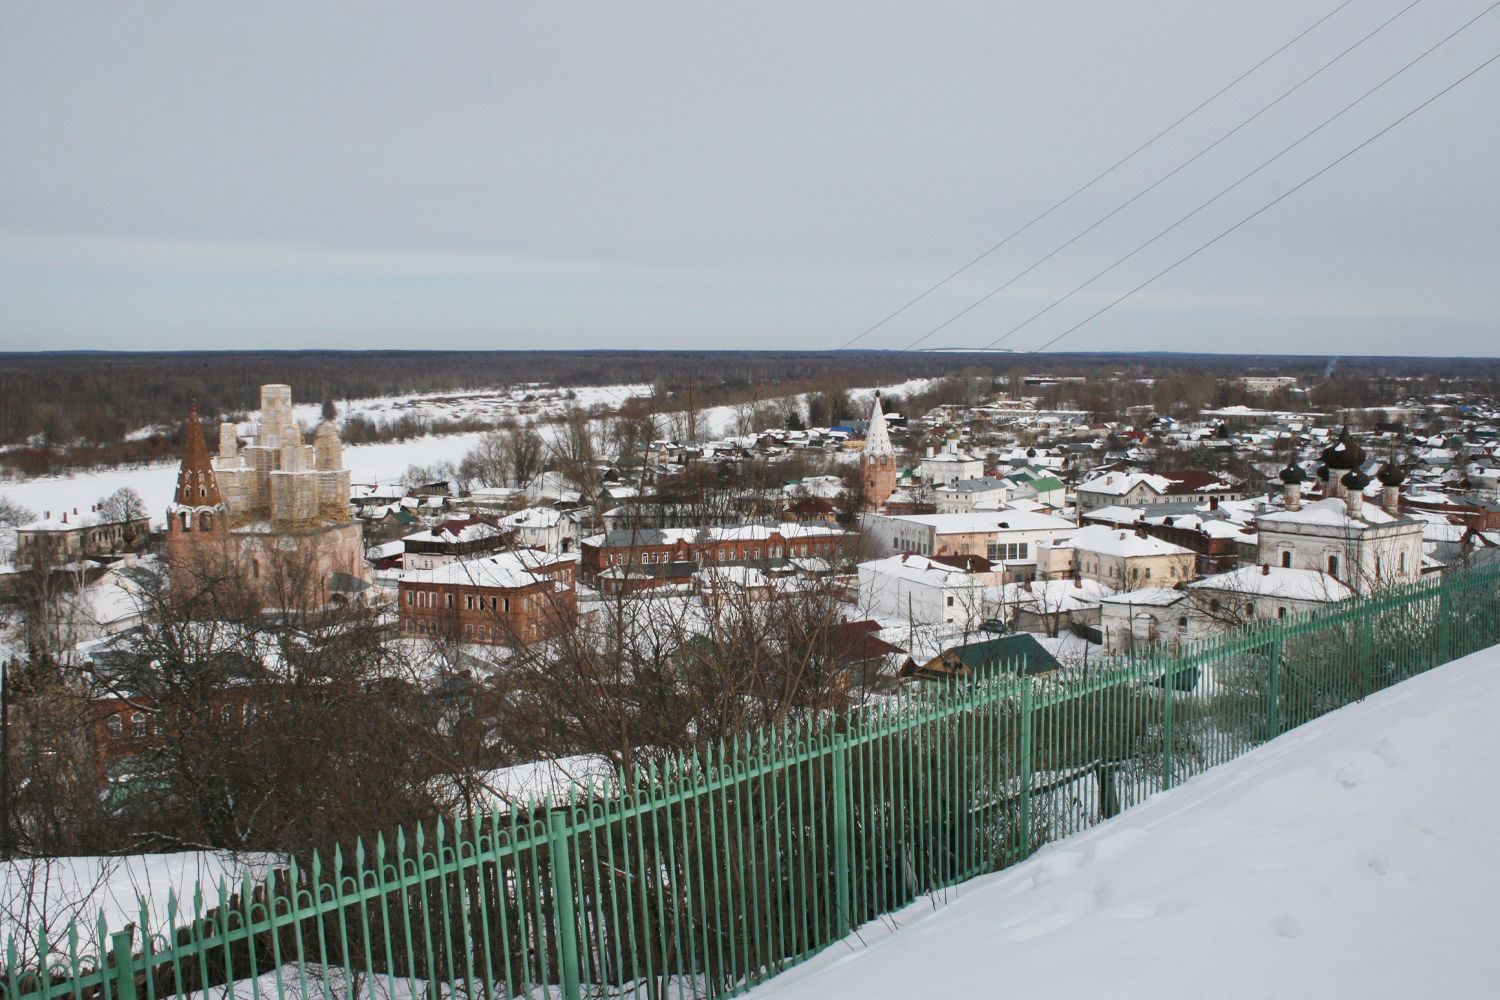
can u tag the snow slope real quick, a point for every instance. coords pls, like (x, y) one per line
(1357, 856)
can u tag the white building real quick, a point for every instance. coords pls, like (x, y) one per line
(959, 497)
(543, 528)
(1364, 549)
(950, 465)
(922, 590)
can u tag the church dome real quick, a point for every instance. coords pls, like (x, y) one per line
(1345, 453)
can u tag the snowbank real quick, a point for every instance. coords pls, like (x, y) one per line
(1357, 856)
(49, 891)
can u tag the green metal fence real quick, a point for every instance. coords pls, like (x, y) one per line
(720, 869)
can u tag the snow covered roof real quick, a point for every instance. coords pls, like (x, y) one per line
(1332, 512)
(1278, 581)
(1109, 541)
(919, 569)
(519, 568)
(1054, 595)
(1155, 597)
(454, 532)
(532, 517)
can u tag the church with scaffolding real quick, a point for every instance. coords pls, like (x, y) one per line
(276, 507)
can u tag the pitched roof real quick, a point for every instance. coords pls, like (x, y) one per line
(196, 484)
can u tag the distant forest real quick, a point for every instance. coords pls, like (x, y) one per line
(76, 409)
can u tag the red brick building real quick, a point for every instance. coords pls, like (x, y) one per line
(511, 596)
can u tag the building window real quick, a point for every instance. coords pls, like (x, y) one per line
(187, 521)
(1182, 622)
(1333, 566)
(505, 604)
(411, 598)
(1250, 610)
(469, 630)
(1402, 564)
(468, 602)
(448, 601)
(1281, 612)
(206, 523)
(950, 600)
(116, 726)
(1148, 572)
(1286, 560)
(421, 598)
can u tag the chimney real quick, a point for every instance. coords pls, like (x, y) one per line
(1078, 581)
(1265, 569)
(65, 517)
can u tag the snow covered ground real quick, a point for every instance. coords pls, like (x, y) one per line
(1357, 856)
(50, 891)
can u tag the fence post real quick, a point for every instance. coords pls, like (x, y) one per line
(1444, 640)
(1366, 653)
(843, 895)
(562, 891)
(124, 965)
(1026, 763)
(1169, 685)
(1273, 710)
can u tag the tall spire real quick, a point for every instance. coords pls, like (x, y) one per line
(877, 438)
(196, 485)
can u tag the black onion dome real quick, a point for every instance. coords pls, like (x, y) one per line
(1292, 474)
(1031, 453)
(1390, 474)
(1323, 473)
(1345, 453)
(1355, 480)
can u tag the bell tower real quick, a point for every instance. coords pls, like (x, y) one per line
(197, 514)
(877, 463)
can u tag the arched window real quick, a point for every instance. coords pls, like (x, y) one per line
(1333, 566)
(206, 522)
(1286, 559)
(1182, 622)
(1281, 612)
(187, 521)
(116, 726)
(138, 724)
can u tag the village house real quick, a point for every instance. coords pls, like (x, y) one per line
(544, 528)
(453, 540)
(1132, 489)
(67, 537)
(514, 596)
(1120, 560)
(923, 590)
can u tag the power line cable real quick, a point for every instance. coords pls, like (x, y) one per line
(1119, 163)
(1307, 135)
(1159, 181)
(1266, 206)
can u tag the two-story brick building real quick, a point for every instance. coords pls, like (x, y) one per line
(648, 557)
(516, 596)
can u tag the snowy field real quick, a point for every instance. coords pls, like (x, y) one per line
(1357, 856)
(369, 464)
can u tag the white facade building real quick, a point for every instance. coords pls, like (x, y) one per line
(922, 590)
(1364, 549)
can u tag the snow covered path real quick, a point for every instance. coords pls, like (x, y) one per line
(1358, 856)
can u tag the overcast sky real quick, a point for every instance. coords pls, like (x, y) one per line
(486, 175)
